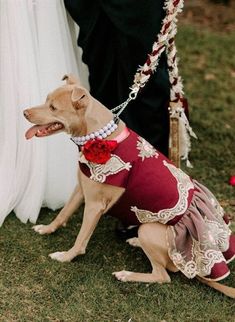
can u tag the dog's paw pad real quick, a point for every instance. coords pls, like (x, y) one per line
(133, 242)
(58, 256)
(122, 275)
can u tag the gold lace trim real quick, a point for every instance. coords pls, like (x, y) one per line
(99, 172)
(205, 253)
(146, 149)
(184, 184)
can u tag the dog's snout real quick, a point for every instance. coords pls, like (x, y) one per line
(26, 114)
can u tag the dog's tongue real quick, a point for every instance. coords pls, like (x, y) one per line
(38, 130)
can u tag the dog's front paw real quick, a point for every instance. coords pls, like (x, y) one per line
(122, 276)
(44, 229)
(61, 256)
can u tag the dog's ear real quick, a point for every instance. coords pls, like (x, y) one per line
(79, 97)
(70, 79)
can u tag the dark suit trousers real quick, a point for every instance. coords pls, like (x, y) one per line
(116, 36)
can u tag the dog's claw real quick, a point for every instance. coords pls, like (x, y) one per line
(122, 275)
(43, 229)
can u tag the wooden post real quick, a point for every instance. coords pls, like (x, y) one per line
(174, 148)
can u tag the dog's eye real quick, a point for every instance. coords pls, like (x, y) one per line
(52, 108)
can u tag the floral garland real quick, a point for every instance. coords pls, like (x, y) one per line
(164, 39)
(165, 42)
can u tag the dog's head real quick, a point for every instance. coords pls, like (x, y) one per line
(63, 110)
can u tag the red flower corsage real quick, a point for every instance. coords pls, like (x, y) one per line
(98, 150)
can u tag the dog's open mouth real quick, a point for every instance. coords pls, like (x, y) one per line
(43, 130)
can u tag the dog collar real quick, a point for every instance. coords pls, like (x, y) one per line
(122, 136)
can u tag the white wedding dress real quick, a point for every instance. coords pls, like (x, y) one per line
(36, 50)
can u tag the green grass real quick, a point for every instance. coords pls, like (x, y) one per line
(35, 288)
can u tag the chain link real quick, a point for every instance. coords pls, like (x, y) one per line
(132, 96)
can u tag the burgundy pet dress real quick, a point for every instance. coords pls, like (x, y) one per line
(200, 241)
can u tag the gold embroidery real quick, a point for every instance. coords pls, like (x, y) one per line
(146, 149)
(205, 253)
(201, 263)
(184, 184)
(99, 172)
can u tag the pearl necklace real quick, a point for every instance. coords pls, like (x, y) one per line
(99, 134)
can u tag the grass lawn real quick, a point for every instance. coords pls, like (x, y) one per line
(35, 288)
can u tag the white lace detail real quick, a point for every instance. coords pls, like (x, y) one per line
(216, 234)
(219, 210)
(184, 184)
(99, 172)
(146, 149)
(201, 263)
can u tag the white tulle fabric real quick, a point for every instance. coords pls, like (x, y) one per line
(36, 50)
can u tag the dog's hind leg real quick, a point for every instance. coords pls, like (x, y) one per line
(70, 207)
(152, 239)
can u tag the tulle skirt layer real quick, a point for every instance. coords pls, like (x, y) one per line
(201, 243)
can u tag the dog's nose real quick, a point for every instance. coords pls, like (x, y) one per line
(26, 114)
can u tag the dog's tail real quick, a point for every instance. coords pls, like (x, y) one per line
(227, 290)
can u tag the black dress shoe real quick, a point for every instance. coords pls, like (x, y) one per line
(126, 232)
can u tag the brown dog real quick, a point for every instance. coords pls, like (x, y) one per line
(72, 109)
